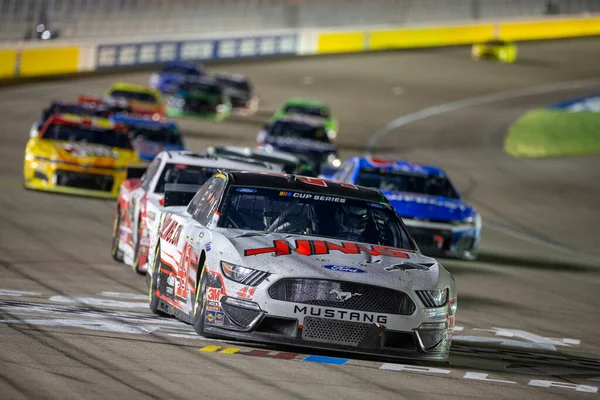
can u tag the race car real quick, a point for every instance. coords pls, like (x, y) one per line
(440, 221)
(499, 50)
(134, 211)
(301, 135)
(311, 108)
(59, 107)
(240, 92)
(144, 100)
(78, 155)
(151, 137)
(203, 98)
(292, 164)
(299, 261)
(173, 74)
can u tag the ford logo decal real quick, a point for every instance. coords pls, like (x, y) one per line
(246, 190)
(341, 268)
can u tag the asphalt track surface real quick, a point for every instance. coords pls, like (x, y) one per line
(528, 308)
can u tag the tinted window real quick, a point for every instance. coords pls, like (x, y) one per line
(74, 109)
(287, 129)
(301, 213)
(209, 201)
(139, 96)
(160, 135)
(88, 134)
(183, 174)
(307, 110)
(400, 181)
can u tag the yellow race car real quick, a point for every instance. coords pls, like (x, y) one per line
(144, 100)
(78, 155)
(499, 50)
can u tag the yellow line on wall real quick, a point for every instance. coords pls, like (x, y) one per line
(49, 61)
(8, 61)
(342, 42)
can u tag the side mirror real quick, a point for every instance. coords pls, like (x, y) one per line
(135, 172)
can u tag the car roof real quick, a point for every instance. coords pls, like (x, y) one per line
(250, 151)
(399, 165)
(231, 76)
(143, 122)
(214, 161)
(303, 119)
(132, 87)
(289, 182)
(305, 102)
(76, 120)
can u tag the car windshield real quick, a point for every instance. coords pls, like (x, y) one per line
(298, 130)
(302, 213)
(183, 174)
(74, 109)
(202, 88)
(160, 135)
(401, 181)
(241, 85)
(307, 110)
(87, 134)
(131, 95)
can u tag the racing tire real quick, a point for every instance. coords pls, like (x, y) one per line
(153, 300)
(199, 306)
(117, 255)
(136, 254)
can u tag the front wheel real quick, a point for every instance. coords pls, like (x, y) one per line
(136, 260)
(153, 299)
(199, 306)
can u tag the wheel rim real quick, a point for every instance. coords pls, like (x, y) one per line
(116, 233)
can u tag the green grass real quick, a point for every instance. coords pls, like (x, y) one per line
(554, 133)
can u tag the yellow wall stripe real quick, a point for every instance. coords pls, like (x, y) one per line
(426, 37)
(342, 42)
(49, 61)
(549, 29)
(8, 60)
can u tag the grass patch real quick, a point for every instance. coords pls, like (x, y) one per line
(554, 133)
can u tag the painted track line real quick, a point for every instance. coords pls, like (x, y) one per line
(483, 100)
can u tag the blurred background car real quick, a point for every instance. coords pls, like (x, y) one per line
(310, 108)
(145, 100)
(173, 74)
(240, 92)
(499, 50)
(203, 98)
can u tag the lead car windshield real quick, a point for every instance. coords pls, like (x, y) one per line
(300, 213)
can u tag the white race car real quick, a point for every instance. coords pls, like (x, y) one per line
(133, 211)
(302, 261)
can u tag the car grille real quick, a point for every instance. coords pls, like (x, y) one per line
(332, 331)
(345, 295)
(84, 180)
(240, 316)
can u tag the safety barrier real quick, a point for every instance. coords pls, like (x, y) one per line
(70, 58)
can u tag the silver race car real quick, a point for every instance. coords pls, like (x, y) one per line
(301, 261)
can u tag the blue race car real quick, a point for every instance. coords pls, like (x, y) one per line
(303, 136)
(441, 223)
(151, 137)
(174, 74)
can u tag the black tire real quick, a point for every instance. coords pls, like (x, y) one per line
(153, 300)
(136, 260)
(116, 237)
(199, 305)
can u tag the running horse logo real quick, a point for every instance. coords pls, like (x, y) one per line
(343, 296)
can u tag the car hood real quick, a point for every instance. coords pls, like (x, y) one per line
(85, 154)
(411, 205)
(290, 256)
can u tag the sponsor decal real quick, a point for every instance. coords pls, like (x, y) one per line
(322, 247)
(343, 296)
(341, 268)
(213, 294)
(88, 150)
(246, 190)
(214, 318)
(300, 195)
(207, 247)
(430, 200)
(344, 315)
(171, 230)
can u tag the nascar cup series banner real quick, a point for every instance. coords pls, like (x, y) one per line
(131, 54)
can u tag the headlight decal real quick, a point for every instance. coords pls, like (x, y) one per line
(247, 276)
(433, 298)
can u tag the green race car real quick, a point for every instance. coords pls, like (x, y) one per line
(309, 108)
(202, 97)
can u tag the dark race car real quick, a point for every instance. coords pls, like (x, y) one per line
(240, 92)
(203, 97)
(304, 136)
(173, 74)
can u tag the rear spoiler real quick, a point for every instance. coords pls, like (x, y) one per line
(177, 194)
(136, 171)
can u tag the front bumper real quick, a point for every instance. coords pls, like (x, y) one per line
(329, 334)
(445, 240)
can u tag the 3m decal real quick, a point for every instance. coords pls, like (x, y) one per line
(213, 294)
(320, 247)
